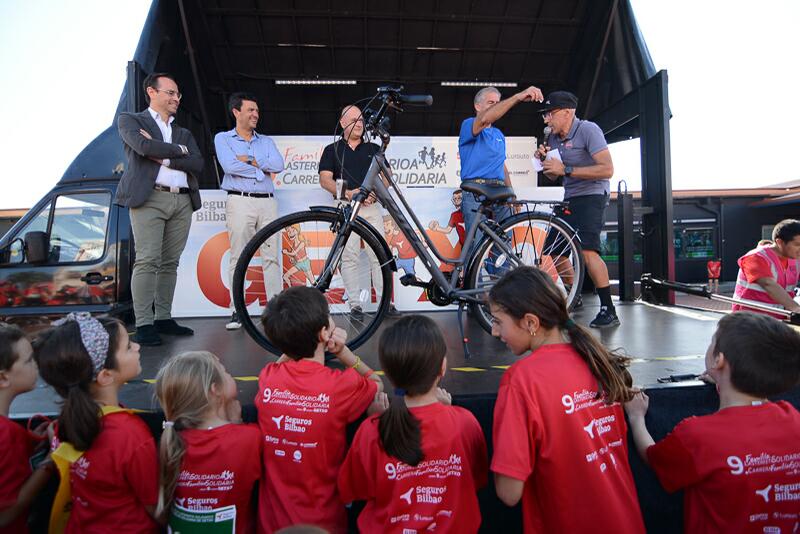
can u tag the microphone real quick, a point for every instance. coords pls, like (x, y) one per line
(547, 131)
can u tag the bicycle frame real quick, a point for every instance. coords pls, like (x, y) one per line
(373, 183)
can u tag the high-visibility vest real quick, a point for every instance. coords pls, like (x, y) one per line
(784, 277)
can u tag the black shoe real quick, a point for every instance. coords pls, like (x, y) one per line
(147, 335)
(393, 312)
(234, 323)
(605, 319)
(171, 328)
(357, 313)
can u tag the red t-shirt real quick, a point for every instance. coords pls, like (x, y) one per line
(740, 468)
(457, 221)
(303, 409)
(568, 447)
(439, 493)
(400, 242)
(220, 468)
(115, 479)
(755, 267)
(15, 468)
(714, 267)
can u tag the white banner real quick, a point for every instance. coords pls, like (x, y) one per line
(426, 170)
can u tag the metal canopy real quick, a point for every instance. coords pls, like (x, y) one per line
(215, 47)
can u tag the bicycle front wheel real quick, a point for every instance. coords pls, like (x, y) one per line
(537, 239)
(358, 289)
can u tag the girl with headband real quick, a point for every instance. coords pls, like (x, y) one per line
(559, 431)
(420, 463)
(209, 464)
(106, 455)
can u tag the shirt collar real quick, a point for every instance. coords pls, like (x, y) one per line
(575, 122)
(157, 117)
(234, 133)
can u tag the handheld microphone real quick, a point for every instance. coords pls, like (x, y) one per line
(547, 131)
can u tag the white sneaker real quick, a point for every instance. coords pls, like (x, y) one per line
(234, 323)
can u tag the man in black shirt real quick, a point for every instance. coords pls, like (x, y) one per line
(342, 169)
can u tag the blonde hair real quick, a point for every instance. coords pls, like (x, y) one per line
(183, 387)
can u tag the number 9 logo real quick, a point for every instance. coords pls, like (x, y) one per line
(391, 470)
(568, 403)
(736, 465)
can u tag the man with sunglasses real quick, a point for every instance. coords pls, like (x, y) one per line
(160, 186)
(586, 166)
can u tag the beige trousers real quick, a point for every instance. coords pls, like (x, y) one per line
(354, 261)
(160, 228)
(244, 216)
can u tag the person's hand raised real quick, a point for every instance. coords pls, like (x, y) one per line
(531, 94)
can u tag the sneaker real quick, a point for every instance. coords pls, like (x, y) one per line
(171, 328)
(605, 319)
(357, 313)
(393, 312)
(147, 335)
(234, 323)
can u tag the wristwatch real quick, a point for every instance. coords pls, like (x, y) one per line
(568, 170)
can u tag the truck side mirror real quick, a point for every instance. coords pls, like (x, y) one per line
(37, 246)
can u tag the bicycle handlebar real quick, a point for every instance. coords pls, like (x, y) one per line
(416, 100)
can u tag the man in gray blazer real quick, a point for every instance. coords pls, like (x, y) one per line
(160, 187)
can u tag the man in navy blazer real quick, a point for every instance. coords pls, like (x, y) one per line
(160, 186)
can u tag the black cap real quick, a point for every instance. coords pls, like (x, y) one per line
(560, 100)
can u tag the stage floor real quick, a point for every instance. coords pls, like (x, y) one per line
(662, 341)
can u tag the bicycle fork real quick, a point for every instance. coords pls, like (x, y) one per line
(342, 228)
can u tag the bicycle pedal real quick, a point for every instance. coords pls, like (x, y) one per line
(411, 280)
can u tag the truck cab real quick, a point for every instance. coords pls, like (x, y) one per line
(69, 253)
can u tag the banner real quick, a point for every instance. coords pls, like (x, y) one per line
(427, 171)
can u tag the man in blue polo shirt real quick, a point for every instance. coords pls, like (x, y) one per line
(482, 148)
(587, 168)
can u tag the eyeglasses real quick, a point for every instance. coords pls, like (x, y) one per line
(170, 92)
(548, 114)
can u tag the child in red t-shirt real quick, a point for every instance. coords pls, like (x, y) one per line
(107, 454)
(419, 464)
(559, 429)
(303, 410)
(209, 464)
(19, 485)
(739, 467)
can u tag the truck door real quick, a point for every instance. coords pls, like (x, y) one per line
(79, 273)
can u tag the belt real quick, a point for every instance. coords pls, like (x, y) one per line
(484, 181)
(172, 189)
(253, 195)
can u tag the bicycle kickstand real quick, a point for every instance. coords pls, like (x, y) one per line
(464, 338)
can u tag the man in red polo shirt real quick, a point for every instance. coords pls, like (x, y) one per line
(769, 275)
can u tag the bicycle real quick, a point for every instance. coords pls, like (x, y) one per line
(535, 238)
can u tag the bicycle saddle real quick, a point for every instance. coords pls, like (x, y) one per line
(493, 193)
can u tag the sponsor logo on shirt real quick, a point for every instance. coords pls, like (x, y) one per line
(580, 400)
(765, 463)
(319, 403)
(601, 426)
(407, 496)
(81, 467)
(297, 456)
(434, 468)
(222, 481)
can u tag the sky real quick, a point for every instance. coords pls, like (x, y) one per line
(731, 66)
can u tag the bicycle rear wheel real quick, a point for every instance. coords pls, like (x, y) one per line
(305, 241)
(539, 240)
